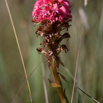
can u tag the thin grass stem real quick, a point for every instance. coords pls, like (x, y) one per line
(88, 95)
(44, 80)
(44, 83)
(76, 66)
(18, 47)
(24, 83)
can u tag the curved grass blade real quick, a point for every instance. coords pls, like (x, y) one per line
(88, 95)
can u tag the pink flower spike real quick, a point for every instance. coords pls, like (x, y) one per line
(51, 10)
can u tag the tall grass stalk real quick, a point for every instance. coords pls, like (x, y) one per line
(76, 66)
(44, 82)
(19, 48)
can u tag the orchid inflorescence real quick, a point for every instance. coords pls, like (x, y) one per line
(52, 17)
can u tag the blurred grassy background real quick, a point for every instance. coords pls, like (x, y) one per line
(90, 66)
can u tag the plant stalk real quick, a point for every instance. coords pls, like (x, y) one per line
(57, 80)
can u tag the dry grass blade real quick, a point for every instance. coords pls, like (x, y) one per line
(76, 66)
(18, 47)
(85, 2)
(84, 19)
(25, 82)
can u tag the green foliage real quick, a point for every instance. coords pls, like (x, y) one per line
(65, 97)
(79, 98)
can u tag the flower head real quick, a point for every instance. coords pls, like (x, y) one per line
(51, 10)
(54, 17)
